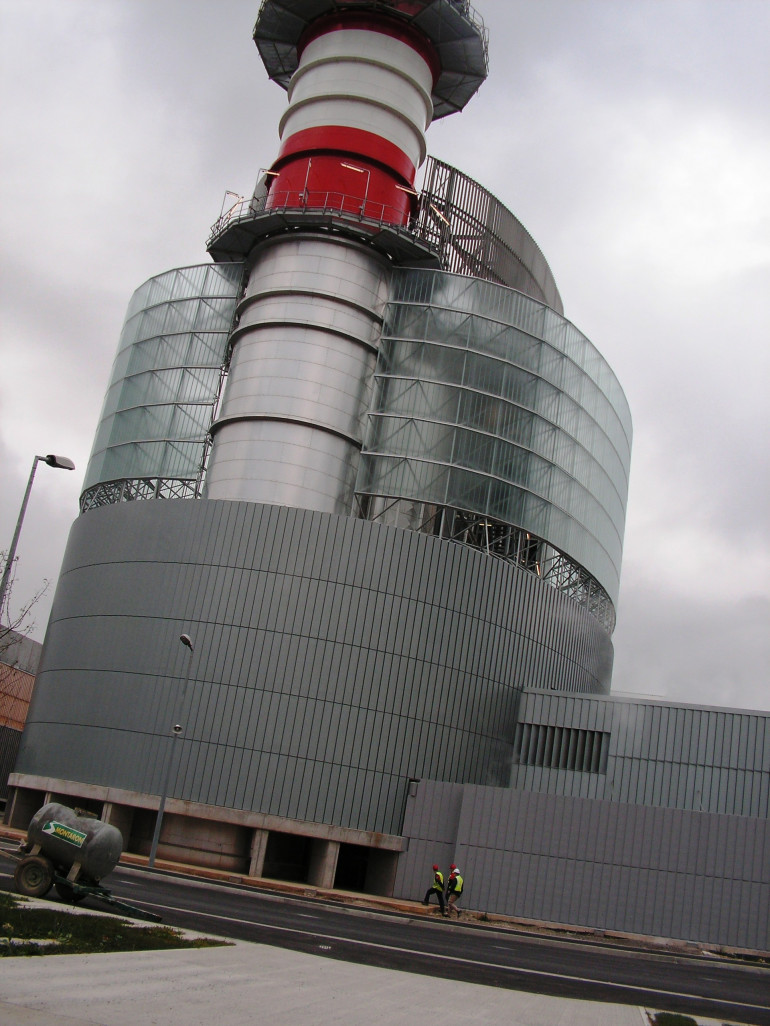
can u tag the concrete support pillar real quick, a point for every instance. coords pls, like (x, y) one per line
(10, 805)
(257, 852)
(323, 863)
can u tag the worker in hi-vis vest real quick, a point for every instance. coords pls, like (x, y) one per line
(454, 888)
(437, 888)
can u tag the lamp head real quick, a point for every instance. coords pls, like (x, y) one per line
(186, 641)
(62, 462)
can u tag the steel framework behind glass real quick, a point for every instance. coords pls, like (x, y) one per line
(477, 236)
(166, 381)
(495, 538)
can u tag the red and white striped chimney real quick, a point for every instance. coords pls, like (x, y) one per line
(359, 106)
(362, 79)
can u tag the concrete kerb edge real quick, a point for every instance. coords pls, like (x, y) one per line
(470, 918)
(78, 910)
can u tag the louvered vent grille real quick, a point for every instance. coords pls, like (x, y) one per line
(570, 748)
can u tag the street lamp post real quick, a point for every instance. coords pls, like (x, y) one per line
(62, 463)
(176, 730)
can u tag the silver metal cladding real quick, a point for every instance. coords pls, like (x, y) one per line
(292, 419)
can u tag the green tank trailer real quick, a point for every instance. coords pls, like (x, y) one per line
(72, 852)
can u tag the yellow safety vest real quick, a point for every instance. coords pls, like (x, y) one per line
(438, 881)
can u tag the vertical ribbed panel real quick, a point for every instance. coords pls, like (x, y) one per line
(662, 872)
(661, 754)
(334, 659)
(10, 738)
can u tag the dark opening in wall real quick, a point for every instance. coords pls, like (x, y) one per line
(287, 857)
(352, 865)
(24, 804)
(85, 807)
(138, 836)
(570, 748)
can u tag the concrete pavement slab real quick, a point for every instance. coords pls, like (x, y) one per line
(252, 984)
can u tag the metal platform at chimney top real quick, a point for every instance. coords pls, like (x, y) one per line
(454, 28)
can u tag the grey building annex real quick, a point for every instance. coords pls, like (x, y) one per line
(362, 460)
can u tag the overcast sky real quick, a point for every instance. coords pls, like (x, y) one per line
(631, 138)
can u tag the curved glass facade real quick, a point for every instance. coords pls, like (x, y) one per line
(488, 402)
(165, 383)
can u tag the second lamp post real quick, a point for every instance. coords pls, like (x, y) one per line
(176, 730)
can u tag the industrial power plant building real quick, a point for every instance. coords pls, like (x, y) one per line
(365, 465)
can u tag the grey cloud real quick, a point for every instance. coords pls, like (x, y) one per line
(115, 163)
(719, 653)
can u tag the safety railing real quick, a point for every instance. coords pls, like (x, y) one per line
(362, 209)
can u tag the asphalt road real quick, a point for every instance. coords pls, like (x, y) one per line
(588, 971)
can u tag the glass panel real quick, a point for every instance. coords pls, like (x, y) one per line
(536, 408)
(441, 363)
(166, 376)
(475, 451)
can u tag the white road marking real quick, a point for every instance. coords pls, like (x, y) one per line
(470, 961)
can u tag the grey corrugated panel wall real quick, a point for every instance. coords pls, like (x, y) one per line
(667, 872)
(334, 659)
(677, 756)
(431, 823)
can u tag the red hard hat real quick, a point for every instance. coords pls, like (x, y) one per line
(435, 867)
(453, 866)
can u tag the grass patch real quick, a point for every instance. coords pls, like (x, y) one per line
(31, 930)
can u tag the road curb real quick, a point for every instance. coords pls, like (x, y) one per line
(471, 918)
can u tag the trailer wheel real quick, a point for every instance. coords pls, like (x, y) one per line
(34, 876)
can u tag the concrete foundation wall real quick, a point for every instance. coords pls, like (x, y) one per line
(662, 872)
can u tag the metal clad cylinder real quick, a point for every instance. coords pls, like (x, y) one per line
(292, 418)
(291, 424)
